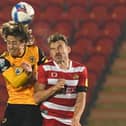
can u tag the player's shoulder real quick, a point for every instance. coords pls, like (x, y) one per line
(49, 62)
(77, 64)
(4, 54)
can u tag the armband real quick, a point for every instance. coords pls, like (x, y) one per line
(16, 76)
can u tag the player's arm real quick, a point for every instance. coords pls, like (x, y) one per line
(41, 92)
(81, 98)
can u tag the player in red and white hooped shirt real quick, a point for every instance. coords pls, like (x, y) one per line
(61, 86)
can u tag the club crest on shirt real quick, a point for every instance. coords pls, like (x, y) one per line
(18, 70)
(32, 59)
(75, 76)
(54, 74)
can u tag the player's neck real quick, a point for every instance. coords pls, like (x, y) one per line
(64, 64)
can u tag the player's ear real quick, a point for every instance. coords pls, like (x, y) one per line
(69, 49)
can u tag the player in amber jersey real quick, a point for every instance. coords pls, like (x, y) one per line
(62, 86)
(18, 66)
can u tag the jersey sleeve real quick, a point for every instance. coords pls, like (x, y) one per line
(83, 81)
(42, 57)
(41, 76)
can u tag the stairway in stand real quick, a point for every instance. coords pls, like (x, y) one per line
(110, 108)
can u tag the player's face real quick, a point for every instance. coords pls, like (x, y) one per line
(15, 46)
(59, 51)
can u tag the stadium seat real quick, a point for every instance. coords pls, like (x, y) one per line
(102, 2)
(42, 29)
(78, 13)
(76, 2)
(64, 27)
(4, 15)
(55, 2)
(88, 29)
(118, 14)
(83, 47)
(100, 14)
(112, 29)
(104, 46)
(92, 80)
(96, 64)
(52, 13)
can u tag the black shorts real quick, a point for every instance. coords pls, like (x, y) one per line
(22, 115)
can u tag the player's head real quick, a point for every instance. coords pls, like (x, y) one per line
(16, 36)
(59, 47)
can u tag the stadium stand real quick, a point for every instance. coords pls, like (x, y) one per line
(95, 29)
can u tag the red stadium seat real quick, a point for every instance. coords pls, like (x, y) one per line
(83, 47)
(42, 30)
(92, 79)
(118, 14)
(64, 27)
(100, 14)
(3, 98)
(88, 29)
(78, 13)
(52, 13)
(56, 2)
(112, 29)
(5, 13)
(76, 2)
(102, 2)
(104, 46)
(96, 64)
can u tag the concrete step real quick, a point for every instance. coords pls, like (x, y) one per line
(120, 64)
(108, 98)
(118, 105)
(123, 48)
(117, 72)
(118, 81)
(108, 122)
(108, 114)
(111, 89)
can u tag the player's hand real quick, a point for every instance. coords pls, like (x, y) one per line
(27, 67)
(76, 122)
(60, 84)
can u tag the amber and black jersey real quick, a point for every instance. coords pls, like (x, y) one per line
(24, 95)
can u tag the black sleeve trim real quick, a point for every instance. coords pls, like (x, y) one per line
(42, 56)
(81, 89)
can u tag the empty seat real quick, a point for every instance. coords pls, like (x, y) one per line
(96, 64)
(42, 30)
(64, 27)
(78, 13)
(100, 14)
(56, 2)
(102, 2)
(3, 97)
(76, 2)
(52, 13)
(83, 47)
(118, 14)
(112, 29)
(88, 29)
(4, 15)
(105, 46)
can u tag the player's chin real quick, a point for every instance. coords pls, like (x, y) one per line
(14, 53)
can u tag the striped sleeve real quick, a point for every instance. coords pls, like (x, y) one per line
(83, 81)
(41, 75)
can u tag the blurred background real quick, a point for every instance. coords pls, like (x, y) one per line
(96, 30)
